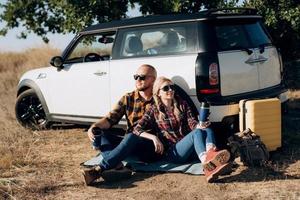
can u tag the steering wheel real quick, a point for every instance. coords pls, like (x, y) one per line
(92, 57)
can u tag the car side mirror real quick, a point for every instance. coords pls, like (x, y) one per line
(57, 62)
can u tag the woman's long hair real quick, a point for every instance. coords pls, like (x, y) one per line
(157, 100)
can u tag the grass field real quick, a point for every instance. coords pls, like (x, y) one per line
(45, 164)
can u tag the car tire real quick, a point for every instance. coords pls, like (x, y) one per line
(30, 112)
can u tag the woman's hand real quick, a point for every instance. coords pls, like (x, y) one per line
(159, 147)
(203, 125)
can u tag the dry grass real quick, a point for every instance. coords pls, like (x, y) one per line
(16, 143)
(45, 164)
(13, 139)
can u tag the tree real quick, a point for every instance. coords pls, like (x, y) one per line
(180, 6)
(282, 17)
(56, 16)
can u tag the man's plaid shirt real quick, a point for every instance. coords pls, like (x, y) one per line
(133, 106)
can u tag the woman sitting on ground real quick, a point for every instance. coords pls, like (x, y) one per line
(180, 138)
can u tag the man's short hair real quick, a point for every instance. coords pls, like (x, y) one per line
(151, 67)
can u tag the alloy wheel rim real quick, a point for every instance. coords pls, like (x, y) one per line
(30, 112)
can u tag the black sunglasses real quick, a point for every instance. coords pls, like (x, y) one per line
(167, 88)
(140, 77)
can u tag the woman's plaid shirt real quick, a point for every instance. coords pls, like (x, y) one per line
(169, 129)
(133, 106)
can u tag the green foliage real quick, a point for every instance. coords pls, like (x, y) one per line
(65, 16)
(55, 16)
(282, 17)
(180, 6)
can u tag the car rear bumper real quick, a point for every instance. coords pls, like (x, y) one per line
(276, 91)
(218, 112)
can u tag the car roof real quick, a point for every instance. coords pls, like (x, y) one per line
(159, 19)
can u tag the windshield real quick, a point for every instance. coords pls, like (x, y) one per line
(96, 44)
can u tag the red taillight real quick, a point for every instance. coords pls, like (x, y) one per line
(209, 91)
(213, 74)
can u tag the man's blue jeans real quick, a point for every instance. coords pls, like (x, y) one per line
(132, 145)
(191, 146)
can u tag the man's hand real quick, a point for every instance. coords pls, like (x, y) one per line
(102, 123)
(91, 134)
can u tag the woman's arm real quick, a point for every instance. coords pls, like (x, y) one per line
(148, 120)
(145, 122)
(192, 122)
(159, 147)
(191, 119)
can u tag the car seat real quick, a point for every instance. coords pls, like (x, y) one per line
(134, 46)
(170, 42)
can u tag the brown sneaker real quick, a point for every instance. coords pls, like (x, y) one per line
(91, 174)
(213, 175)
(218, 158)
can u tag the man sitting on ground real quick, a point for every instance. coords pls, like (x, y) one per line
(133, 106)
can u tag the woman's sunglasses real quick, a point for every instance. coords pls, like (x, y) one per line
(139, 77)
(167, 88)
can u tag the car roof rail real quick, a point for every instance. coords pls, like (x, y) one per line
(231, 11)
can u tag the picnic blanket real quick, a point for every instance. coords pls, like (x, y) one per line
(194, 168)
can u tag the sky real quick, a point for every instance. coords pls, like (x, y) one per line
(11, 43)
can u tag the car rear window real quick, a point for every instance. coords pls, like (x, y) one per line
(241, 36)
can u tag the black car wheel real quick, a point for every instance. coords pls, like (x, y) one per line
(29, 111)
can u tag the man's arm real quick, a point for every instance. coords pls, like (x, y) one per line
(102, 123)
(113, 117)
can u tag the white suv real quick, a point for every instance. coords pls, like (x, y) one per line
(219, 56)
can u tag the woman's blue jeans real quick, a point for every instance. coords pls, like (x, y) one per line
(191, 146)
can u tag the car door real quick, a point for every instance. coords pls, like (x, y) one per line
(81, 89)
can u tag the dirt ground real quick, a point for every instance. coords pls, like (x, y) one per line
(55, 174)
(45, 165)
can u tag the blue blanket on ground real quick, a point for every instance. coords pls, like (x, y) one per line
(161, 166)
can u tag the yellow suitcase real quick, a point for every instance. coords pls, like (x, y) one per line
(264, 118)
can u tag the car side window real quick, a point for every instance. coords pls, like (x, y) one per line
(91, 48)
(156, 40)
